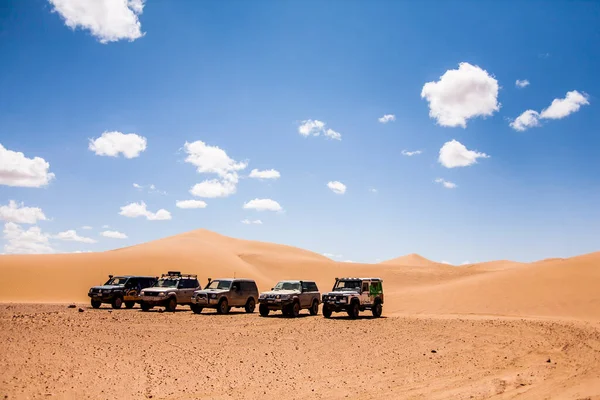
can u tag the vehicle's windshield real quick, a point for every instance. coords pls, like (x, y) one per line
(287, 286)
(342, 285)
(218, 284)
(166, 282)
(116, 281)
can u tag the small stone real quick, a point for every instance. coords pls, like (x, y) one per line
(433, 351)
(81, 310)
(548, 360)
(72, 306)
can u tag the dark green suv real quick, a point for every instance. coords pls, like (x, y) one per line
(120, 289)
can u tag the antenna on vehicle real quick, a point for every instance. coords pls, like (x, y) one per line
(233, 274)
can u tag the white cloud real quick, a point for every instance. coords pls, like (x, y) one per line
(331, 255)
(265, 174)
(337, 187)
(213, 160)
(465, 263)
(262, 205)
(112, 143)
(373, 190)
(151, 188)
(446, 262)
(113, 235)
(561, 108)
(254, 222)
(311, 127)
(528, 119)
(461, 94)
(387, 118)
(190, 204)
(558, 109)
(348, 261)
(330, 133)
(107, 20)
(87, 227)
(20, 214)
(105, 226)
(134, 210)
(72, 236)
(455, 154)
(447, 185)
(521, 83)
(411, 153)
(213, 188)
(18, 170)
(30, 241)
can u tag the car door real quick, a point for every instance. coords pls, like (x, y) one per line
(305, 295)
(236, 294)
(130, 290)
(364, 293)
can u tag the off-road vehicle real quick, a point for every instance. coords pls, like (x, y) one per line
(290, 297)
(120, 289)
(223, 294)
(353, 295)
(171, 289)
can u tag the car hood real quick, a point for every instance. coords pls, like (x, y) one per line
(344, 293)
(276, 292)
(211, 291)
(104, 287)
(157, 289)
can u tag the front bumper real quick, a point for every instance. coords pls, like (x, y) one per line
(335, 305)
(274, 304)
(154, 300)
(205, 301)
(103, 297)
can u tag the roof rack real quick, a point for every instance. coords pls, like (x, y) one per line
(178, 274)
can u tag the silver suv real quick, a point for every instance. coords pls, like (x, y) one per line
(353, 295)
(290, 297)
(171, 289)
(223, 294)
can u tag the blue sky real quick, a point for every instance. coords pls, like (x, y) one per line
(246, 75)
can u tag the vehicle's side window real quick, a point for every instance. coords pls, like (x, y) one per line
(194, 283)
(305, 287)
(235, 286)
(182, 284)
(365, 287)
(312, 287)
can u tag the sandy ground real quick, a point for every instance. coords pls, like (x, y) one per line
(51, 351)
(499, 329)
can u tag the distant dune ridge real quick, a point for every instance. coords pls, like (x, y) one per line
(555, 288)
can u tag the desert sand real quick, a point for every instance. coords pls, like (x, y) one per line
(498, 329)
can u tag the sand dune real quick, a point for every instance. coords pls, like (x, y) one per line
(561, 288)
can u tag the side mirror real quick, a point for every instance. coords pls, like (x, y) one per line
(272, 288)
(110, 276)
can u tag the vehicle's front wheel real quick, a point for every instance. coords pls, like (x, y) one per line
(294, 309)
(196, 308)
(223, 307)
(263, 310)
(314, 309)
(96, 304)
(145, 306)
(353, 310)
(327, 311)
(250, 305)
(129, 304)
(171, 304)
(117, 303)
(377, 310)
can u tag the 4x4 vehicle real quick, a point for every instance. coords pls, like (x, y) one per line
(290, 297)
(171, 289)
(223, 294)
(353, 295)
(120, 289)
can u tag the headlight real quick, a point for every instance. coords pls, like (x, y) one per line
(262, 296)
(278, 296)
(162, 294)
(213, 296)
(324, 297)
